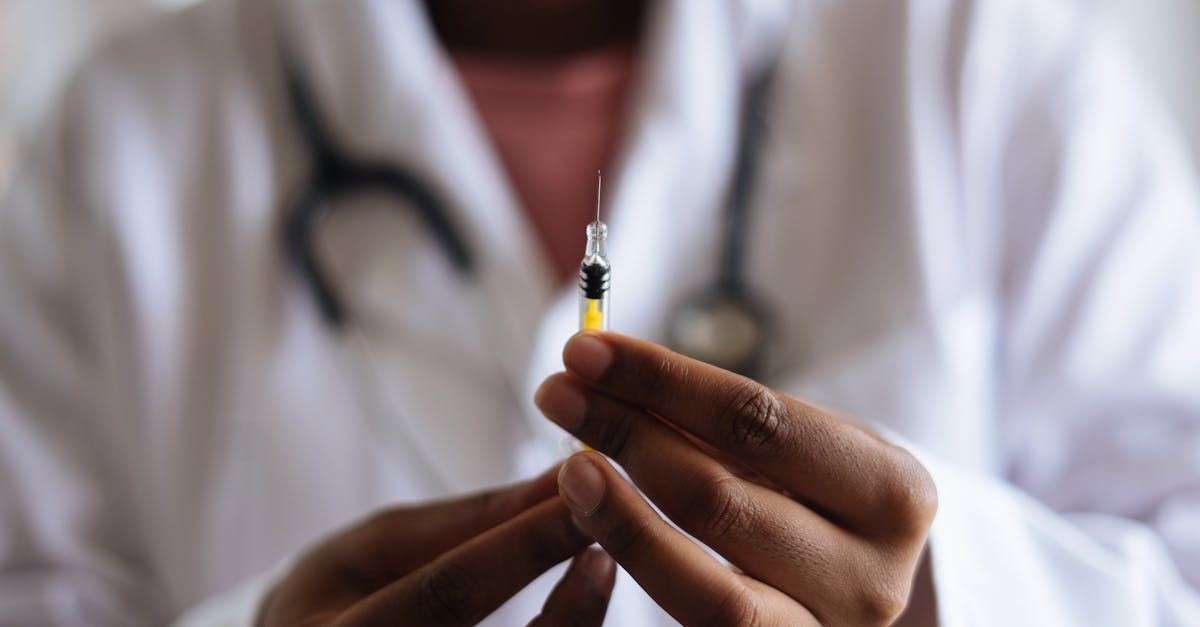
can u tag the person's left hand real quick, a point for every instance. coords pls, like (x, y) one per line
(824, 521)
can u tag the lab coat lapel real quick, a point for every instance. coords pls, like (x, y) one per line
(387, 91)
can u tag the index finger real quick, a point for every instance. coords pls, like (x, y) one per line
(398, 540)
(833, 464)
(470, 581)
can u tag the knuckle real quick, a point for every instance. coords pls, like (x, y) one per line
(755, 420)
(657, 376)
(616, 435)
(880, 604)
(720, 508)
(738, 608)
(626, 537)
(444, 597)
(909, 497)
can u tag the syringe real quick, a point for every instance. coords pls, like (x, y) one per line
(594, 273)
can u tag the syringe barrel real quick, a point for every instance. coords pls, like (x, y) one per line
(594, 279)
(593, 313)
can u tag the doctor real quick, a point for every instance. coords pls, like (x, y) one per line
(977, 238)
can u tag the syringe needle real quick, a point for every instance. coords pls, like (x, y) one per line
(599, 183)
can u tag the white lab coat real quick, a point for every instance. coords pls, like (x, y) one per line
(973, 228)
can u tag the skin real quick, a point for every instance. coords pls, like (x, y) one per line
(824, 522)
(448, 563)
(535, 28)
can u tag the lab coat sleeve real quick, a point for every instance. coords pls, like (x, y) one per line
(76, 547)
(70, 548)
(1097, 232)
(1000, 557)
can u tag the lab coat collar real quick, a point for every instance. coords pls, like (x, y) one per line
(387, 90)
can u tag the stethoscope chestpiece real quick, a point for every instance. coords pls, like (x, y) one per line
(726, 328)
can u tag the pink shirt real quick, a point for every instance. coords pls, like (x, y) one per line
(554, 123)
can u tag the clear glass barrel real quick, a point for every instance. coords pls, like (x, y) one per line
(593, 313)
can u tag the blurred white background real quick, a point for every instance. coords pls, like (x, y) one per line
(42, 40)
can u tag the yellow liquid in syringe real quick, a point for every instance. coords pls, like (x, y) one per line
(593, 318)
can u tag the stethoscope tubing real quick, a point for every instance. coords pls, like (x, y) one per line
(335, 174)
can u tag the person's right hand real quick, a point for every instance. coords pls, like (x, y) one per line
(450, 563)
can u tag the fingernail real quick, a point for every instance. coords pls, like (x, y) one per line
(581, 484)
(561, 402)
(588, 356)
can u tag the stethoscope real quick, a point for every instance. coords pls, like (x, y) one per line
(724, 324)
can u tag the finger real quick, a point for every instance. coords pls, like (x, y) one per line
(844, 470)
(464, 585)
(768, 535)
(581, 596)
(401, 539)
(680, 576)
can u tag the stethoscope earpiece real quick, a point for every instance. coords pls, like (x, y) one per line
(724, 328)
(726, 325)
